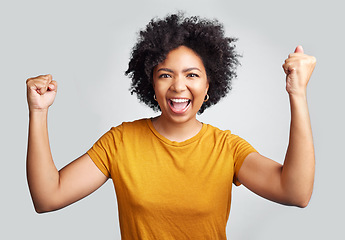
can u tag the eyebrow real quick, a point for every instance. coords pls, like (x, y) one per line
(184, 70)
(165, 70)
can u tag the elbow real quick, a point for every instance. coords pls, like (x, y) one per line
(303, 201)
(40, 211)
(44, 210)
(303, 204)
(42, 207)
(300, 203)
(299, 197)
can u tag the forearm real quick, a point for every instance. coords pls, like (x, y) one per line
(42, 175)
(299, 165)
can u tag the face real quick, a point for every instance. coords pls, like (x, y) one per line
(180, 84)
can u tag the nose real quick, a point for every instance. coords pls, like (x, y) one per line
(178, 85)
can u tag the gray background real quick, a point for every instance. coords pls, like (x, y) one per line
(85, 45)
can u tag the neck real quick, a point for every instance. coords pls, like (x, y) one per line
(175, 131)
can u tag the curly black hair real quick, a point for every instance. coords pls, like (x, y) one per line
(203, 36)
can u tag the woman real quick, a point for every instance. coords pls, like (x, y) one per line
(173, 174)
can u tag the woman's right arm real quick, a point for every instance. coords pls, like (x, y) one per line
(52, 189)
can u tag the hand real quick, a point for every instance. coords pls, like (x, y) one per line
(41, 92)
(298, 68)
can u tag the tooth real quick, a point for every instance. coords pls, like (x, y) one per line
(179, 100)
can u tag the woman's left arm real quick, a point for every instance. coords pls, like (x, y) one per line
(292, 182)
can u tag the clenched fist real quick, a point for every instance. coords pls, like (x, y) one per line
(41, 92)
(298, 68)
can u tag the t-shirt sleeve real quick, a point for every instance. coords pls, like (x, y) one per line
(241, 149)
(103, 152)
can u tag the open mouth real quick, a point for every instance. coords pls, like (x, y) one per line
(179, 105)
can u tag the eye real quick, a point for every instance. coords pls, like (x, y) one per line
(192, 75)
(164, 75)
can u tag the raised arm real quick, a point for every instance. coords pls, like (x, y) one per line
(292, 182)
(52, 189)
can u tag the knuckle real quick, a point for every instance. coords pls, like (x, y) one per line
(28, 80)
(313, 59)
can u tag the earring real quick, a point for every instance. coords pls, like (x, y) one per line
(207, 97)
(154, 97)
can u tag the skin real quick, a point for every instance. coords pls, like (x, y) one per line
(181, 75)
(52, 189)
(292, 182)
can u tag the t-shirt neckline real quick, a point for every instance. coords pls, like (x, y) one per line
(174, 143)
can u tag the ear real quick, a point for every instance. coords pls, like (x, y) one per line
(207, 85)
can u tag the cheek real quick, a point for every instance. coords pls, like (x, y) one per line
(202, 89)
(160, 92)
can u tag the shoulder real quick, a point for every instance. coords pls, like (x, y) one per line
(217, 134)
(130, 125)
(125, 127)
(136, 123)
(131, 128)
(223, 136)
(125, 131)
(135, 126)
(216, 130)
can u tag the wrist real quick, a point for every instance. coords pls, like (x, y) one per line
(298, 101)
(38, 112)
(298, 95)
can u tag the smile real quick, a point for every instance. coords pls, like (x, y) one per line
(179, 105)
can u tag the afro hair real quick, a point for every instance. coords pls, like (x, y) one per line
(203, 36)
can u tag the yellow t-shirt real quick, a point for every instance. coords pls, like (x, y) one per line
(171, 190)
